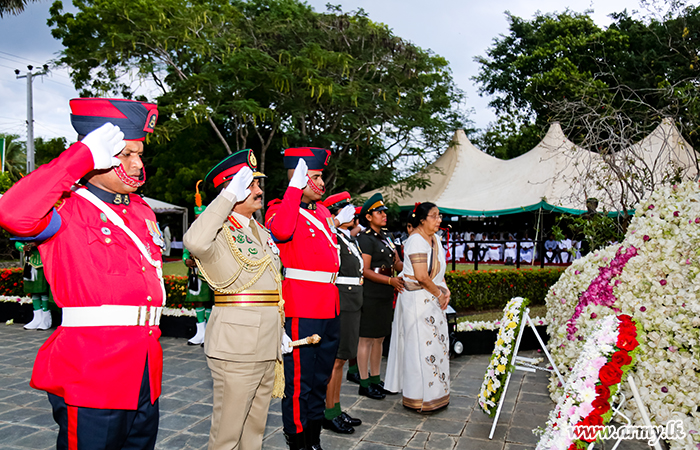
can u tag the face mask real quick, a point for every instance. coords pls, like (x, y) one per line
(129, 181)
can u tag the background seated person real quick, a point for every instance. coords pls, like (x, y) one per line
(493, 252)
(527, 249)
(551, 250)
(510, 250)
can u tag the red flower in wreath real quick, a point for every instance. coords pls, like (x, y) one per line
(627, 341)
(602, 391)
(600, 406)
(610, 374)
(621, 358)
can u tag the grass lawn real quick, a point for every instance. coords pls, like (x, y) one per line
(497, 314)
(177, 268)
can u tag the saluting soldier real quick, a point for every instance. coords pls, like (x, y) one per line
(239, 260)
(349, 283)
(380, 262)
(101, 248)
(305, 232)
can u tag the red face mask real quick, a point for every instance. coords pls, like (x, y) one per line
(130, 181)
(314, 187)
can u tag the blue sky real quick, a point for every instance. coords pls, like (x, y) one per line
(455, 29)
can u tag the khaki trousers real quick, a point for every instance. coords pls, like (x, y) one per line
(242, 392)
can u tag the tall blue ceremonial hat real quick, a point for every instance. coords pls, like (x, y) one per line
(375, 203)
(135, 119)
(230, 166)
(316, 158)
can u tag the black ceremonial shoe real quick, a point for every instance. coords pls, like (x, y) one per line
(350, 420)
(338, 425)
(384, 391)
(353, 377)
(372, 392)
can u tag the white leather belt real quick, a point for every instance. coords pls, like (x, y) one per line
(355, 281)
(310, 275)
(111, 315)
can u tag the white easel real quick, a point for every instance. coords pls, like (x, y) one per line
(642, 411)
(524, 364)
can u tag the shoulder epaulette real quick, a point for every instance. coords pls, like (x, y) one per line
(234, 222)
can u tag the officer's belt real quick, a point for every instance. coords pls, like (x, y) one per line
(111, 316)
(355, 281)
(247, 298)
(388, 271)
(310, 275)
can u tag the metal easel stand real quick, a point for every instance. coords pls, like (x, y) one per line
(524, 364)
(642, 411)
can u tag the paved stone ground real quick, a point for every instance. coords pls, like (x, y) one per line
(26, 421)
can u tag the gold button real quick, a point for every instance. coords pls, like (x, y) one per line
(143, 269)
(150, 332)
(349, 288)
(108, 240)
(149, 298)
(124, 210)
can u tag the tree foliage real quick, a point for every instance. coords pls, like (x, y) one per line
(268, 74)
(15, 157)
(639, 68)
(14, 7)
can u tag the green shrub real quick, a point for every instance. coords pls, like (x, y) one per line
(491, 289)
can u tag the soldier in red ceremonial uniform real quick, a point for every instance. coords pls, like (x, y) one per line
(305, 233)
(101, 249)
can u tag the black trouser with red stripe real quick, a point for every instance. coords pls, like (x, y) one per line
(307, 371)
(96, 429)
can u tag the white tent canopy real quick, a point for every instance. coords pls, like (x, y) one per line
(555, 175)
(160, 207)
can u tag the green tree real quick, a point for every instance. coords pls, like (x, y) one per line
(47, 150)
(13, 6)
(272, 74)
(15, 156)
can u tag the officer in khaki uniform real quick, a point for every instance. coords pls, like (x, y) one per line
(240, 262)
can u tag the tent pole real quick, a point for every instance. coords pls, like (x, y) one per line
(537, 238)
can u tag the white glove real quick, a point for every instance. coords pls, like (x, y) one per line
(286, 343)
(346, 214)
(239, 184)
(299, 179)
(105, 143)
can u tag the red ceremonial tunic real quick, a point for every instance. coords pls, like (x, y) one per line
(89, 262)
(303, 246)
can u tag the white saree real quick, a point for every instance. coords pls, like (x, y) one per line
(419, 360)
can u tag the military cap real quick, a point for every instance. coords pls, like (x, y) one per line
(336, 199)
(375, 203)
(316, 158)
(134, 119)
(230, 166)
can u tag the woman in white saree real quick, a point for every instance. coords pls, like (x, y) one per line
(419, 362)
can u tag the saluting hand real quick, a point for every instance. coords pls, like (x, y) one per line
(346, 214)
(105, 143)
(299, 179)
(239, 184)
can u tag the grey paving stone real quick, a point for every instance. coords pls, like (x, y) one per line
(202, 427)
(338, 442)
(42, 439)
(197, 409)
(453, 413)
(403, 421)
(460, 401)
(177, 422)
(368, 418)
(184, 441)
(275, 440)
(19, 415)
(521, 435)
(171, 405)
(419, 440)
(389, 436)
(510, 446)
(365, 445)
(443, 426)
(440, 441)
(13, 433)
(480, 430)
(469, 443)
(44, 419)
(530, 397)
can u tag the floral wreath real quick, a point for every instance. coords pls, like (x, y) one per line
(500, 364)
(585, 408)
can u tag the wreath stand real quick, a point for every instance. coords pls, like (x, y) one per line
(642, 411)
(524, 364)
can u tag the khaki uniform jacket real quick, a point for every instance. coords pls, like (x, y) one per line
(236, 333)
